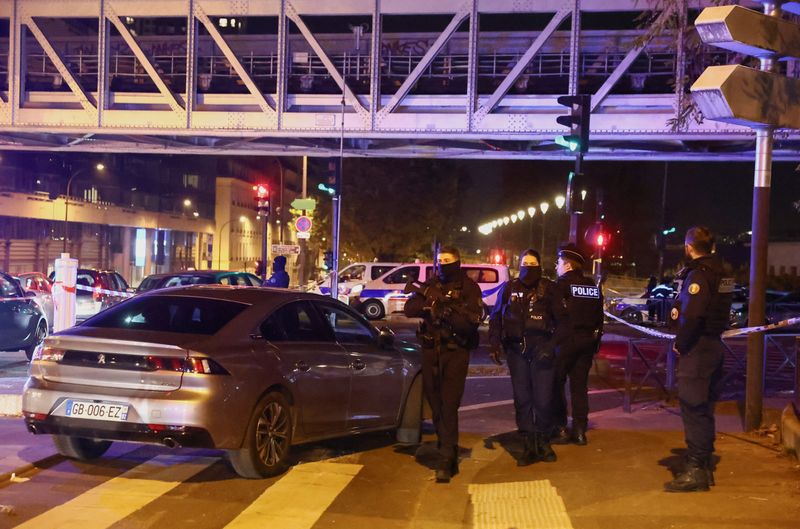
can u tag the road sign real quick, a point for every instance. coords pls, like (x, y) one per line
(303, 224)
(307, 204)
(303, 235)
(286, 249)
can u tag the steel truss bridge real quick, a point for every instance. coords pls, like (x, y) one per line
(93, 75)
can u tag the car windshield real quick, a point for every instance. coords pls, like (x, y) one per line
(187, 315)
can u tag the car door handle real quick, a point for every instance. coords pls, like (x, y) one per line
(301, 366)
(357, 365)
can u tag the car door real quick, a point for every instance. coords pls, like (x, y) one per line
(316, 368)
(376, 384)
(16, 315)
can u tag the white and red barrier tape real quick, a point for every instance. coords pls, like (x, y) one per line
(727, 334)
(99, 290)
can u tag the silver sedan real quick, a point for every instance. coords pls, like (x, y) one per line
(248, 370)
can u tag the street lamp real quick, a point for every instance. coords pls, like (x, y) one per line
(543, 207)
(187, 202)
(242, 219)
(560, 201)
(98, 167)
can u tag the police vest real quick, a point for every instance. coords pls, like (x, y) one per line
(583, 303)
(719, 307)
(525, 311)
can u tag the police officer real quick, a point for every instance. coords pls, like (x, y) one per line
(700, 314)
(520, 328)
(279, 277)
(451, 309)
(578, 311)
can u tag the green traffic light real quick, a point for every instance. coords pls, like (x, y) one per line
(568, 142)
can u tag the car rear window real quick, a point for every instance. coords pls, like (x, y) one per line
(187, 315)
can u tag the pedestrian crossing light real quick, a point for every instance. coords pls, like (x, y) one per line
(578, 122)
(668, 231)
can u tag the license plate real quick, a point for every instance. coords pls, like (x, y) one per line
(96, 410)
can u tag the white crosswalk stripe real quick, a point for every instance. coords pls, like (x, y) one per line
(123, 495)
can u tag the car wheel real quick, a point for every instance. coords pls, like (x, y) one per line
(632, 316)
(82, 448)
(41, 334)
(373, 310)
(268, 440)
(409, 431)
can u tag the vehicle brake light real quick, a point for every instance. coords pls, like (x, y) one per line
(96, 294)
(48, 354)
(203, 366)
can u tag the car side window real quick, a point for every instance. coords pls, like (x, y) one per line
(8, 289)
(294, 322)
(252, 281)
(346, 327)
(403, 275)
(173, 282)
(121, 281)
(482, 275)
(378, 271)
(84, 280)
(225, 280)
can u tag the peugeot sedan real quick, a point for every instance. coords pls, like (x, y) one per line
(248, 370)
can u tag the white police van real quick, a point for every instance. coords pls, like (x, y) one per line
(352, 275)
(384, 295)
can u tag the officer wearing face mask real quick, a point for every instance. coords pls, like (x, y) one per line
(699, 316)
(451, 309)
(520, 328)
(578, 310)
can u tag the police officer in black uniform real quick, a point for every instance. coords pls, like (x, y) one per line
(520, 328)
(578, 310)
(700, 314)
(451, 309)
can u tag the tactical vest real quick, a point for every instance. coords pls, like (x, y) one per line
(525, 311)
(583, 302)
(719, 308)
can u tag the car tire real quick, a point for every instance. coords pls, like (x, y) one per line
(268, 440)
(41, 334)
(409, 431)
(373, 310)
(81, 448)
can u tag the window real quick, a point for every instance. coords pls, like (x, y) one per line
(403, 275)
(346, 327)
(84, 279)
(378, 271)
(353, 273)
(482, 275)
(191, 180)
(186, 315)
(294, 322)
(8, 289)
(252, 280)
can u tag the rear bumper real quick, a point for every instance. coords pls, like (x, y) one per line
(187, 436)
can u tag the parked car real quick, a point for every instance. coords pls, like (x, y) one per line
(385, 295)
(90, 294)
(23, 324)
(353, 275)
(248, 370)
(42, 287)
(198, 277)
(779, 306)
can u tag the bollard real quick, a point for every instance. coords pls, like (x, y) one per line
(64, 299)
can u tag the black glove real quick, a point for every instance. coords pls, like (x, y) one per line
(433, 293)
(497, 355)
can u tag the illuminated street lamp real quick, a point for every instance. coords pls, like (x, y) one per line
(560, 201)
(521, 214)
(187, 202)
(99, 168)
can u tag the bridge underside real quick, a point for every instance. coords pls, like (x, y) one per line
(177, 76)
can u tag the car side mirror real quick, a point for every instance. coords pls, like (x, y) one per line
(386, 337)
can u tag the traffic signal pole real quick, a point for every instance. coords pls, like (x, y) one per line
(573, 215)
(337, 204)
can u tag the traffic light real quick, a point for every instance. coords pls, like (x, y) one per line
(328, 260)
(497, 257)
(577, 121)
(598, 236)
(576, 192)
(262, 199)
(330, 176)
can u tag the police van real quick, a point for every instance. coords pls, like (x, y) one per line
(384, 295)
(352, 275)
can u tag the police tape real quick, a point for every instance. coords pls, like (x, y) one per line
(98, 290)
(727, 334)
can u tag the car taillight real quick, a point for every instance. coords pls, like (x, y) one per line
(47, 354)
(96, 295)
(202, 366)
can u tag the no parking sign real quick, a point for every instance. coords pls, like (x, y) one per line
(303, 226)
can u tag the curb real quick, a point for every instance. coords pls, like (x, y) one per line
(790, 430)
(43, 462)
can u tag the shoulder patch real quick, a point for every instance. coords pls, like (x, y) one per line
(585, 291)
(674, 314)
(694, 288)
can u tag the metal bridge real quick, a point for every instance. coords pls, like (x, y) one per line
(102, 75)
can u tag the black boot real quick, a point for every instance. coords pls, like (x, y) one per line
(560, 436)
(448, 467)
(709, 471)
(693, 479)
(530, 451)
(579, 433)
(546, 452)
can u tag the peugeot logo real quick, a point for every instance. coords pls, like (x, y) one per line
(101, 358)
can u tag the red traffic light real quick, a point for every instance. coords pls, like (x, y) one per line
(262, 191)
(497, 257)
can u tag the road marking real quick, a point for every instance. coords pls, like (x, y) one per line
(519, 504)
(494, 403)
(107, 504)
(299, 498)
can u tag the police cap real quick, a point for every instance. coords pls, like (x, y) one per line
(570, 251)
